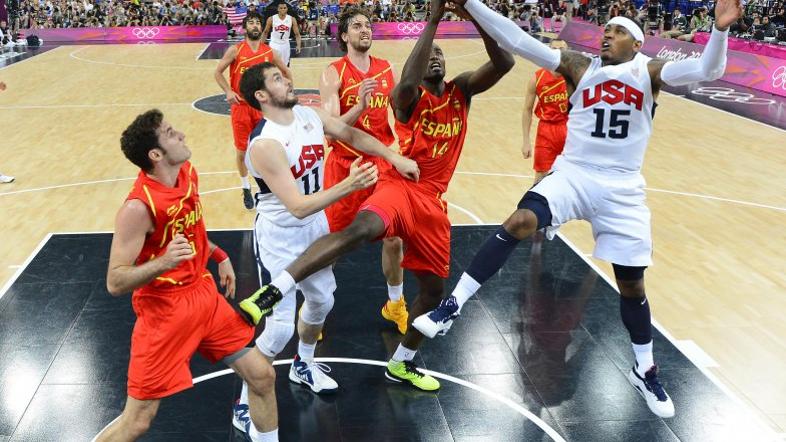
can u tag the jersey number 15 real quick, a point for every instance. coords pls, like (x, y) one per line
(616, 127)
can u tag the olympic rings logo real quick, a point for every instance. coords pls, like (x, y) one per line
(142, 33)
(410, 28)
(779, 78)
(730, 95)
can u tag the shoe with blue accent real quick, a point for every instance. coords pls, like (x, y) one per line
(652, 391)
(439, 320)
(241, 419)
(312, 375)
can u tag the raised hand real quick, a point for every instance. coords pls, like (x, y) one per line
(726, 13)
(458, 9)
(437, 10)
(365, 90)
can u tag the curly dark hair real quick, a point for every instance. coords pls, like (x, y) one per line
(253, 14)
(140, 138)
(343, 21)
(253, 80)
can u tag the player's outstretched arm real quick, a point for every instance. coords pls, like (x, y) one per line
(268, 157)
(405, 95)
(510, 37)
(500, 62)
(223, 64)
(712, 63)
(364, 142)
(132, 224)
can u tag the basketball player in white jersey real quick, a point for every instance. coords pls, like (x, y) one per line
(285, 156)
(279, 28)
(598, 176)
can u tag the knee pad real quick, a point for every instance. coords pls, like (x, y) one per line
(539, 205)
(275, 337)
(314, 312)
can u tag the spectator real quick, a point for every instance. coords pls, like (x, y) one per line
(679, 25)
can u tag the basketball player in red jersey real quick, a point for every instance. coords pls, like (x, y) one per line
(552, 111)
(357, 88)
(160, 251)
(431, 120)
(238, 58)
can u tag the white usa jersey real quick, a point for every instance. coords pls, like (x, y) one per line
(610, 119)
(279, 34)
(303, 142)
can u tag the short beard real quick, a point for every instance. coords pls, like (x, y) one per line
(434, 78)
(286, 103)
(361, 49)
(256, 35)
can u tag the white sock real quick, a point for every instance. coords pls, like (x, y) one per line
(306, 351)
(466, 287)
(256, 436)
(244, 182)
(395, 292)
(403, 354)
(644, 358)
(244, 394)
(285, 282)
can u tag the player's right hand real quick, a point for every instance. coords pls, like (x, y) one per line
(2, 86)
(233, 98)
(363, 175)
(438, 9)
(407, 167)
(365, 90)
(526, 150)
(177, 251)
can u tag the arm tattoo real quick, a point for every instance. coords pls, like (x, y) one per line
(572, 65)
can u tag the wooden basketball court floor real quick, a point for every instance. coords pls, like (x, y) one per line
(715, 180)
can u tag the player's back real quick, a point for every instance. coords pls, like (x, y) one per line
(374, 119)
(174, 210)
(281, 30)
(302, 141)
(434, 136)
(610, 120)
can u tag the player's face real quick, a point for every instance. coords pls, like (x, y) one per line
(282, 10)
(618, 45)
(358, 34)
(435, 69)
(172, 145)
(278, 90)
(253, 29)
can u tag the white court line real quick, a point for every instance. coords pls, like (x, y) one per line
(29, 58)
(466, 212)
(73, 55)
(650, 189)
(766, 430)
(24, 265)
(202, 51)
(193, 106)
(79, 106)
(488, 393)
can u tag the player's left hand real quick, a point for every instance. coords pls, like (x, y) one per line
(2, 86)
(226, 277)
(297, 49)
(459, 10)
(406, 167)
(726, 13)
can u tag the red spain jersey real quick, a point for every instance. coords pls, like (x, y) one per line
(552, 92)
(373, 120)
(434, 135)
(174, 210)
(246, 57)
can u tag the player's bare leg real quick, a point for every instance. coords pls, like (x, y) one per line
(401, 367)
(395, 309)
(259, 375)
(132, 423)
